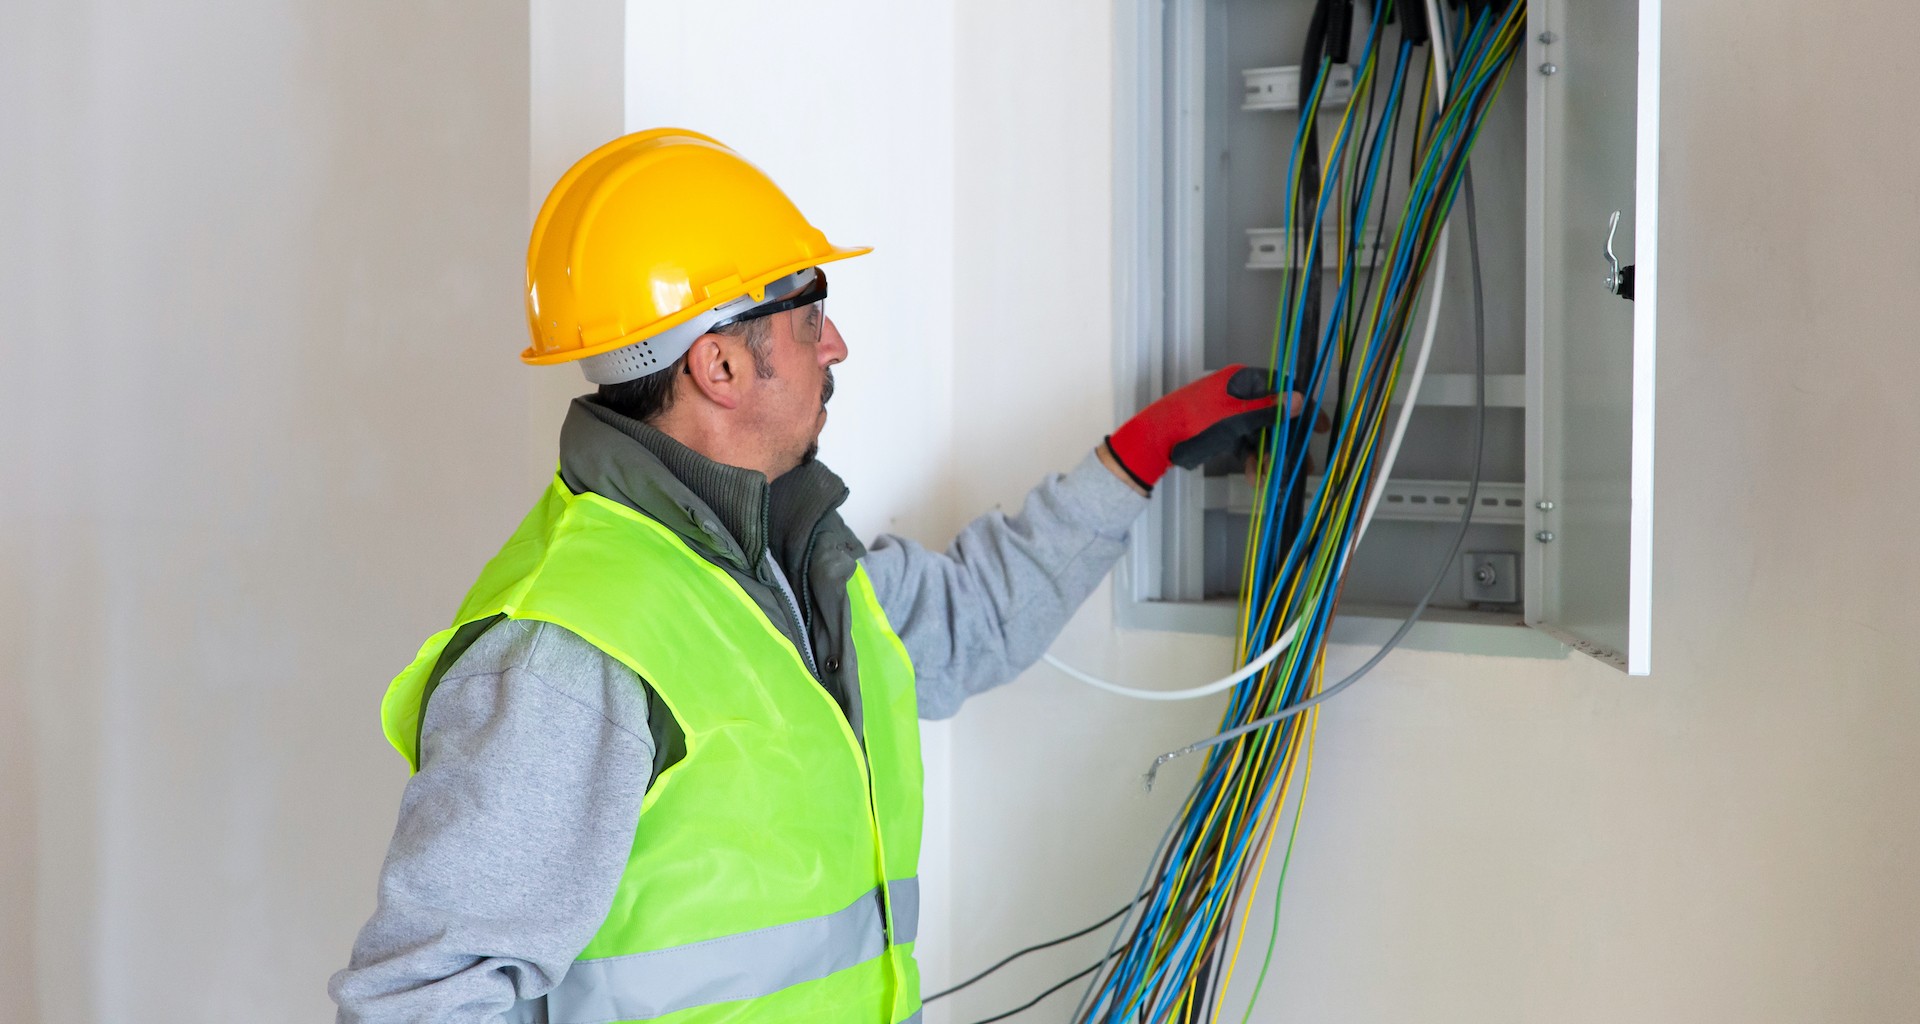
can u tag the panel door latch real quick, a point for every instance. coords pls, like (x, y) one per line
(1619, 278)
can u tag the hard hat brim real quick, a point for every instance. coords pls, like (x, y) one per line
(642, 332)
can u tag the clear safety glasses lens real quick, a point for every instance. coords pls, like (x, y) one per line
(809, 325)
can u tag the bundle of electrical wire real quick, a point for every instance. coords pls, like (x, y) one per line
(1176, 953)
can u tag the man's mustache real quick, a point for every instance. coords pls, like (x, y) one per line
(826, 389)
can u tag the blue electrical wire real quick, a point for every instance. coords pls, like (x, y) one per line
(1144, 973)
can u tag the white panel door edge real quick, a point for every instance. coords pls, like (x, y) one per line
(1647, 228)
(1593, 77)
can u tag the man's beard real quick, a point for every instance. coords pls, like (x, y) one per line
(808, 457)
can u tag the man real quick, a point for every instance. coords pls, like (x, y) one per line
(667, 756)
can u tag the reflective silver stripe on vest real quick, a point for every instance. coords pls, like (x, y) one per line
(741, 966)
(904, 897)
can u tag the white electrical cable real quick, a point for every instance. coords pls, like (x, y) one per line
(1419, 374)
(1267, 656)
(1223, 683)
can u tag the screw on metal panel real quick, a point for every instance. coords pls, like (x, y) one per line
(1544, 536)
(1549, 38)
(1544, 506)
(1548, 69)
(1485, 575)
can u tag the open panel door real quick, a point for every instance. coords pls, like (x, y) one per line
(1593, 78)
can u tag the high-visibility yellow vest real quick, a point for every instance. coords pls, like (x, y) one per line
(773, 876)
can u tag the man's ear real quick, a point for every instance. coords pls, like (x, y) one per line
(711, 371)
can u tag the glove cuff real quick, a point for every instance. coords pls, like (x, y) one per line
(1145, 485)
(1163, 433)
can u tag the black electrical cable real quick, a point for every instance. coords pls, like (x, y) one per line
(1351, 202)
(1340, 31)
(1159, 857)
(1313, 62)
(1414, 22)
(1466, 520)
(1473, 487)
(1419, 113)
(1351, 338)
(1455, 171)
(1050, 943)
(1036, 1000)
(1386, 199)
(1156, 865)
(1161, 850)
(1313, 56)
(1204, 982)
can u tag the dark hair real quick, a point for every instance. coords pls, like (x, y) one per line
(644, 398)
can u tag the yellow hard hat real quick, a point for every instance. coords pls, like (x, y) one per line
(649, 240)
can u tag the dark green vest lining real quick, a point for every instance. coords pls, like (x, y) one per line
(457, 645)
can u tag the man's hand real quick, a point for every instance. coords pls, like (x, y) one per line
(1206, 418)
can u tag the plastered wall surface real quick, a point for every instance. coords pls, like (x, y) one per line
(263, 425)
(1729, 840)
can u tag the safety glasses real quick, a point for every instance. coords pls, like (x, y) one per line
(813, 293)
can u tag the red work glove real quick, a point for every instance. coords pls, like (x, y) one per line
(1206, 418)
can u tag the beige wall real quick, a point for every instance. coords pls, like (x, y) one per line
(262, 276)
(1732, 839)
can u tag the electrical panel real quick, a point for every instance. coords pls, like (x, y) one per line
(1564, 176)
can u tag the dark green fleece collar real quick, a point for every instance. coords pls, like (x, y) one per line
(732, 513)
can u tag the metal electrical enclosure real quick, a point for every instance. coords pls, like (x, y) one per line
(1204, 130)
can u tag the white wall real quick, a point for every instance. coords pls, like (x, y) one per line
(1731, 839)
(262, 272)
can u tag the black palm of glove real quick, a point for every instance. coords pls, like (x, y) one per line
(1208, 417)
(1237, 434)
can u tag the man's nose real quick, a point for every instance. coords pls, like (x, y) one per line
(833, 348)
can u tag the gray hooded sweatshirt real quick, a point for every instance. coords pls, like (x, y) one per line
(536, 747)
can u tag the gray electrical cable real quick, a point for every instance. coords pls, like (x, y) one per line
(1035, 948)
(1446, 567)
(1146, 883)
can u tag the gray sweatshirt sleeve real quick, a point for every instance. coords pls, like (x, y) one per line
(978, 615)
(513, 835)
